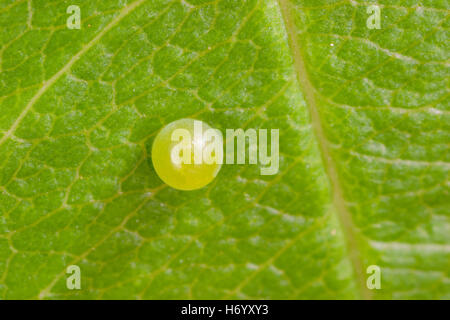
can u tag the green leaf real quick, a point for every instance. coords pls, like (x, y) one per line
(364, 129)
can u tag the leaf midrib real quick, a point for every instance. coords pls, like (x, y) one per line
(344, 216)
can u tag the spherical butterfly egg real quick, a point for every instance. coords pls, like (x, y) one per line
(187, 154)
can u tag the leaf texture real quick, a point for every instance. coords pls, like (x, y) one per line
(364, 163)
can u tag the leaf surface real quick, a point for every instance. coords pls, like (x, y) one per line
(364, 129)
